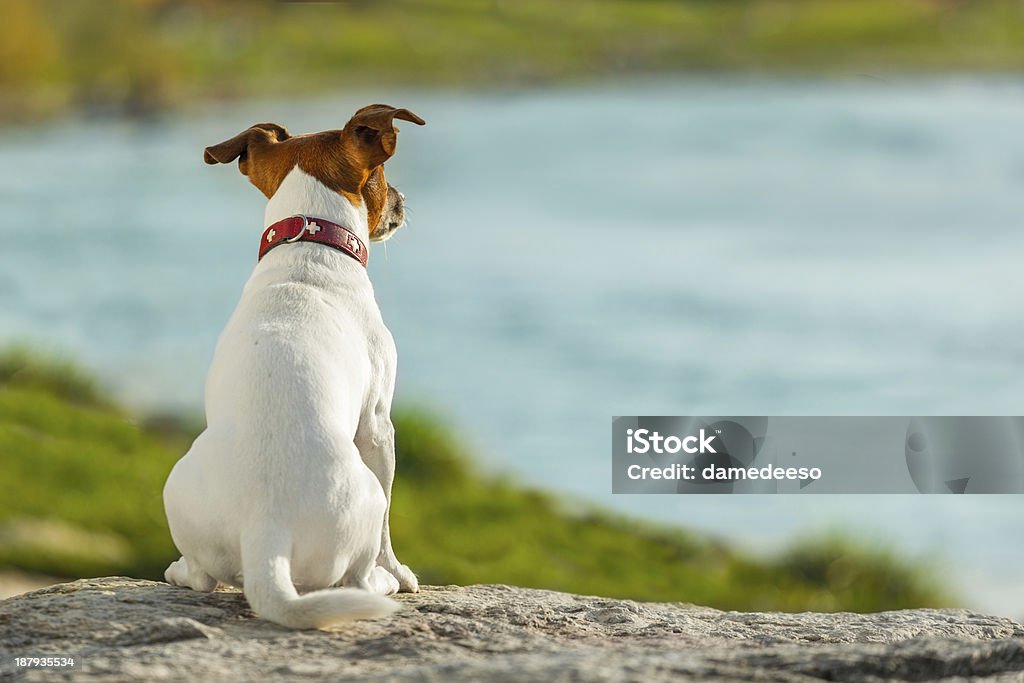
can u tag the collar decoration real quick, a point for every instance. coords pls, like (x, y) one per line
(301, 228)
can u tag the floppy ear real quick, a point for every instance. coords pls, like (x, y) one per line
(238, 146)
(371, 132)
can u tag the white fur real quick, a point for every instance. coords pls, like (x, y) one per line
(289, 485)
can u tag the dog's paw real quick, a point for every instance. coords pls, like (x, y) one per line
(407, 582)
(382, 582)
(179, 573)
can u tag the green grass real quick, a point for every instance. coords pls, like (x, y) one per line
(144, 55)
(80, 495)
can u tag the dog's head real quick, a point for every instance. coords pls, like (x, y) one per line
(349, 161)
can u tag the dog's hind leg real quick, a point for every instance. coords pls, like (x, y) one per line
(182, 573)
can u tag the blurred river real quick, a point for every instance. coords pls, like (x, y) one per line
(658, 247)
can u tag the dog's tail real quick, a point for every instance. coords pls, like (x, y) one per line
(267, 577)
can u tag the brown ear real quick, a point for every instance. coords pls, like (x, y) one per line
(238, 146)
(372, 131)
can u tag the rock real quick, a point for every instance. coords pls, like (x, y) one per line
(121, 629)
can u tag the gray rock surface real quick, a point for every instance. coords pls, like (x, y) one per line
(122, 629)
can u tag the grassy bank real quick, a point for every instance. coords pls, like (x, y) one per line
(80, 496)
(144, 55)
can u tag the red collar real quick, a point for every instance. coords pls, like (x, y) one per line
(305, 229)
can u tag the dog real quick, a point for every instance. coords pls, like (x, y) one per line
(287, 492)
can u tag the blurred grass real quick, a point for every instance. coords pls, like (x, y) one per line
(80, 495)
(140, 56)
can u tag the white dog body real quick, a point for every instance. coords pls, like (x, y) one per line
(288, 488)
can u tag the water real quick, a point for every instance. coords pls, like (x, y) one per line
(659, 247)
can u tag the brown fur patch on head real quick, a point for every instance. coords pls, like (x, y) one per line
(349, 161)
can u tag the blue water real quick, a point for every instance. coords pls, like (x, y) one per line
(657, 247)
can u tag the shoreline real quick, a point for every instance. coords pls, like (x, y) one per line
(29, 109)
